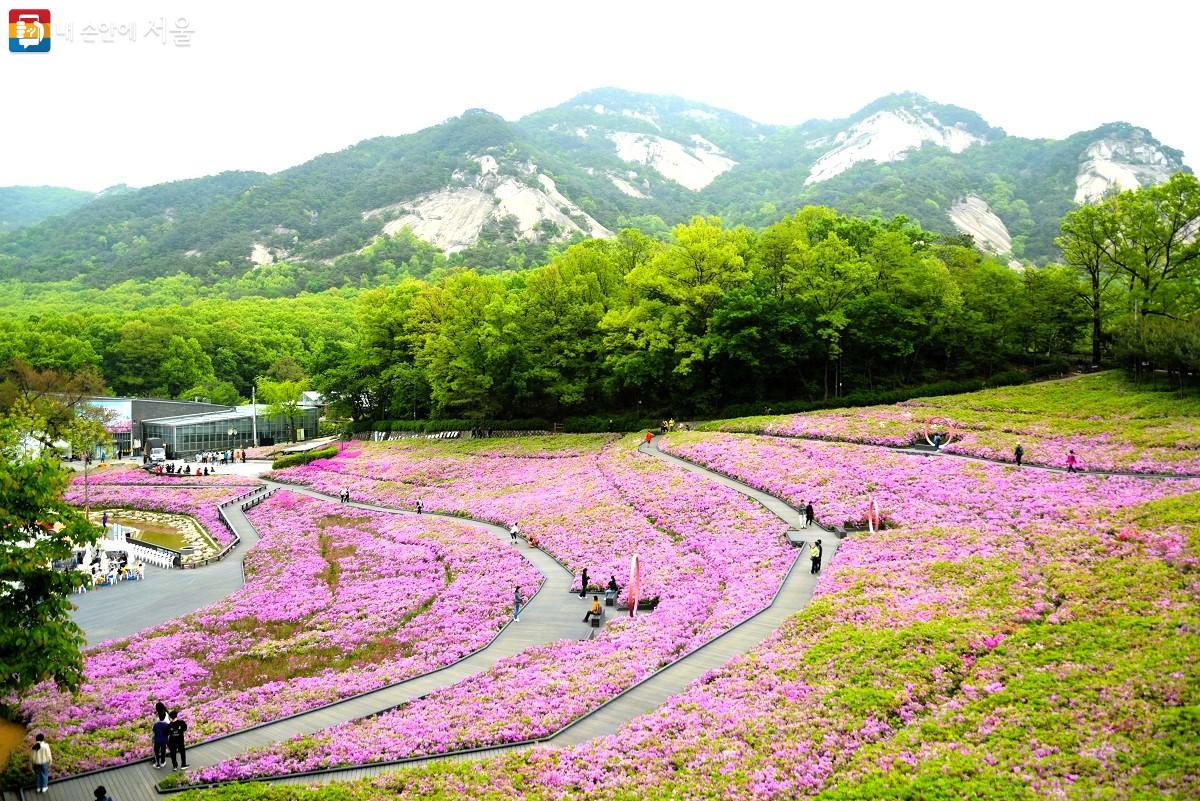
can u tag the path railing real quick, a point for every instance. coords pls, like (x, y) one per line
(242, 503)
(170, 553)
(140, 552)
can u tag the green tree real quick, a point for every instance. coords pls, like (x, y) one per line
(283, 400)
(1085, 241)
(661, 337)
(464, 352)
(38, 639)
(829, 275)
(1154, 242)
(1054, 310)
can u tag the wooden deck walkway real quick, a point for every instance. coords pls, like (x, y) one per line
(553, 613)
(113, 613)
(646, 696)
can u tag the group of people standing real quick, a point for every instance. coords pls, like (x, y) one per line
(169, 731)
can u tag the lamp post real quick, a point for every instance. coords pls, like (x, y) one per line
(232, 434)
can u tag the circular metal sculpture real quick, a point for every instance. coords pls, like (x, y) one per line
(935, 423)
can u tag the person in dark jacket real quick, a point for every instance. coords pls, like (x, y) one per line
(1019, 454)
(175, 744)
(583, 582)
(101, 794)
(809, 516)
(162, 733)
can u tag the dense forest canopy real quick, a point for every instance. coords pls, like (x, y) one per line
(695, 319)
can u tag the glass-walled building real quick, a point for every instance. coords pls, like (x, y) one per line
(188, 434)
(125, 418)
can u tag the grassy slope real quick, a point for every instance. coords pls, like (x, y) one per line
(1112, 423)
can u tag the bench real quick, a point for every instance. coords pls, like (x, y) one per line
(595, 619)
(610, 597)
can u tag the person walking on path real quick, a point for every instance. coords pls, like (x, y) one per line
(816, 556)
(104, 520)
(594, 611)
(162, 733)
(518, 601)
(420, 506)
(649, 437)
(41, 764)
(803, 518)
(514, 531)
(175, 743)
(809, 516)
(583, 582)
(1019, 454)
(1072, 462)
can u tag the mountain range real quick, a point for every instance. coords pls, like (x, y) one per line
(478, 187)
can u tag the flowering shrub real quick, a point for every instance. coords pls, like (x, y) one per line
(1009, 635)
(713, 556)
(131, 476)
(1110, 425)
(336, 603)
(911, 489)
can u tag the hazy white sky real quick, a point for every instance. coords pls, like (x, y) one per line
(266, 85)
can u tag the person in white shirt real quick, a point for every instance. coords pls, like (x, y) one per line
(41, 764)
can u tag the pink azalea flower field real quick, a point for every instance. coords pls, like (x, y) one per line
(716, 558)
(1110, 425)
(337, 602)
(1008, 634)
(132, 476)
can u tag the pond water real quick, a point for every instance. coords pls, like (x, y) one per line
(154, 533)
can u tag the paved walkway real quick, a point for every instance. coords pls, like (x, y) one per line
(554, 613)
(925, 450)
(110, 613)
(652, 692)
(928, 450)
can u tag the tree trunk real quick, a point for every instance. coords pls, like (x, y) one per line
(1095, 318)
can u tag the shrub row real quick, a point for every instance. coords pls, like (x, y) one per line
(304, 458)
(630, 422)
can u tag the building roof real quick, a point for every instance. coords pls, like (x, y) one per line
(237, 413)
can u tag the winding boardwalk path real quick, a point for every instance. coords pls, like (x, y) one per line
(112, 613)
(649, 694)
(553, 613)
(928, 450)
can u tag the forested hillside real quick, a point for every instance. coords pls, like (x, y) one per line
(815, 306)
(491, 194)
(26, 205)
